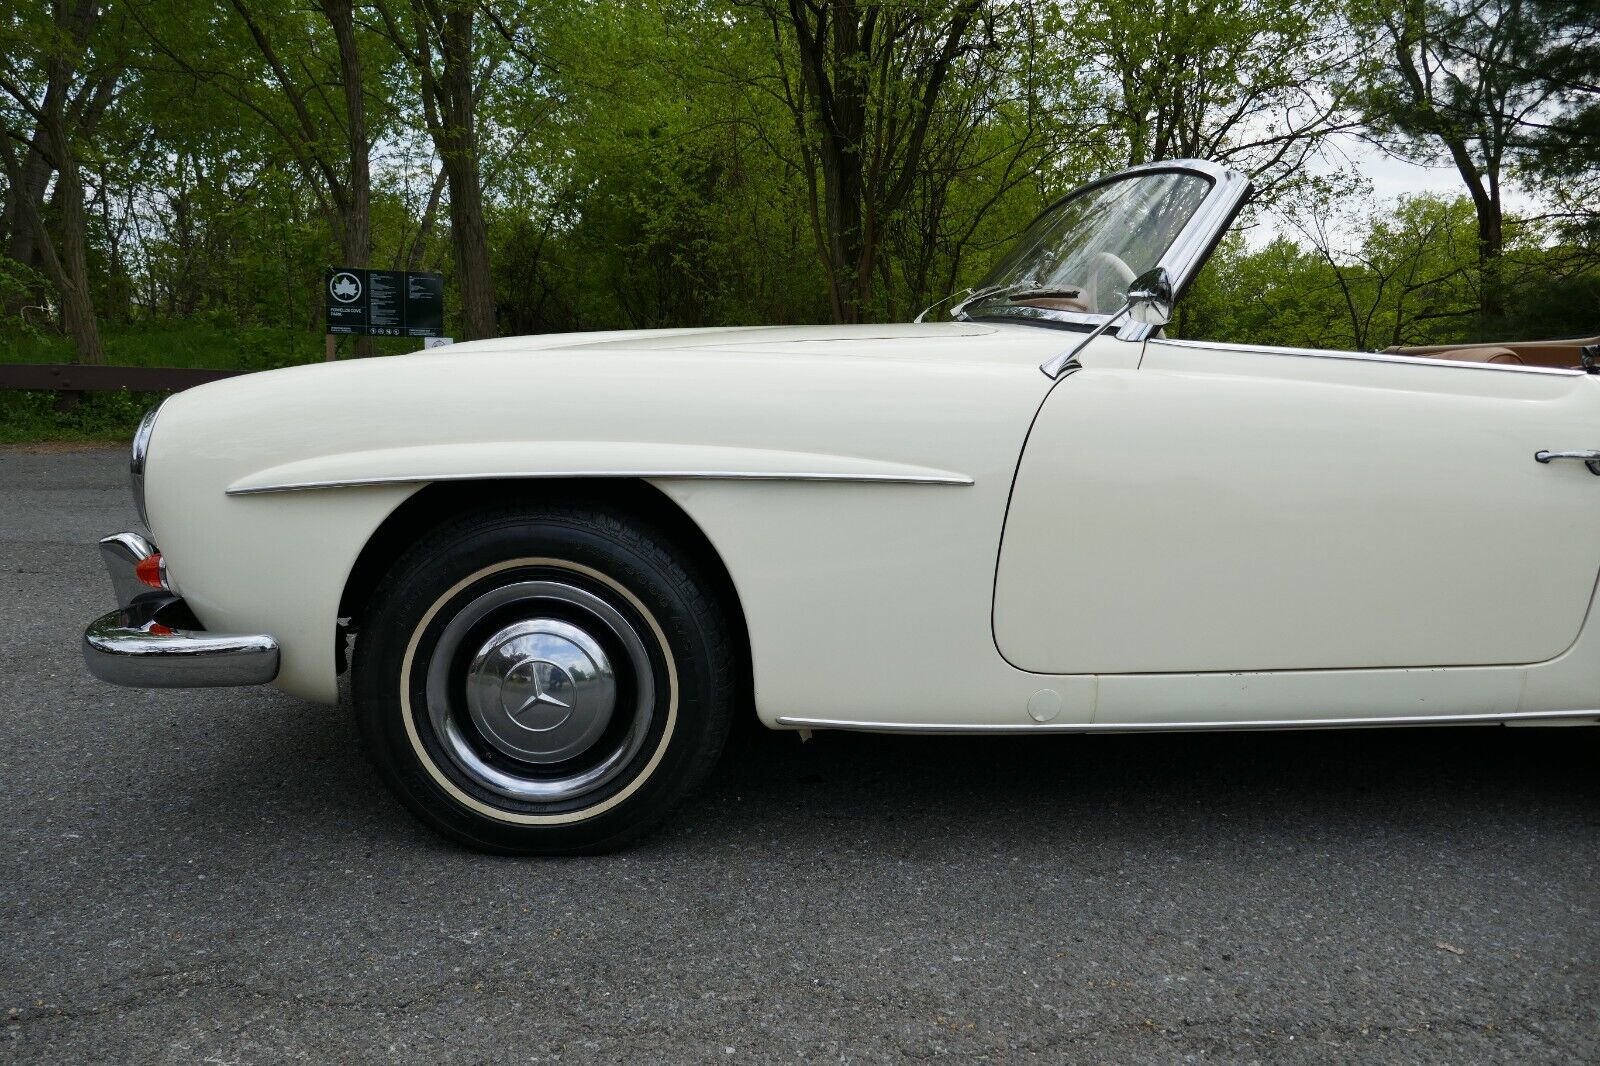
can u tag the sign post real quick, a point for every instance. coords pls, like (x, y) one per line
(383, 303)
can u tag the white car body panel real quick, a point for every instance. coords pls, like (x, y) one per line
(899, 404)
(870, 603)
(1248, 510)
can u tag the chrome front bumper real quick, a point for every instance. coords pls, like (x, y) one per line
(154, 641)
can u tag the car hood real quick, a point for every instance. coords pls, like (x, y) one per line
(942, 400)
(899, 341)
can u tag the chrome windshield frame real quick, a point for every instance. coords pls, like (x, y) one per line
(1188, 252)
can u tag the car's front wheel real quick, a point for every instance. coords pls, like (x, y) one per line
(546, 679)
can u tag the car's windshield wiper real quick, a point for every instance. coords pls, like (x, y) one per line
(974, 295)
(1070, 292)
(1025, 289)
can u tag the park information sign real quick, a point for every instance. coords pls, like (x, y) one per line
(384, 303)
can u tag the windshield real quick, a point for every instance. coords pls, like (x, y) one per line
(1082, 254)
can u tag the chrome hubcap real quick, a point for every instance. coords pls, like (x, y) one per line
(555, 699)
(541, 691)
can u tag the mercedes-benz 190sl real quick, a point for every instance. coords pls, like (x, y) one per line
(558, 566)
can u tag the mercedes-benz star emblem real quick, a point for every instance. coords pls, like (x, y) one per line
(533, 680)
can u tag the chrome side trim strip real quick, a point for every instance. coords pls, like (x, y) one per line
(1180, 727)
(1368, 357)
(662, 475)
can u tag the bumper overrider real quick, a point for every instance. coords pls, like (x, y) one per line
(153, 640)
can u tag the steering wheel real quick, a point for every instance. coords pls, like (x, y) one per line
(1107, 274)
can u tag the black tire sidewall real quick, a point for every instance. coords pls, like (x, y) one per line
(623, 549)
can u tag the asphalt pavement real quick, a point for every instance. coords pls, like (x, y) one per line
(218, 877)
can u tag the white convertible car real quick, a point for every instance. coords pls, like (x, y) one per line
(568, 561)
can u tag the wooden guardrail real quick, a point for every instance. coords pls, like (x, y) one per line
(76, 377)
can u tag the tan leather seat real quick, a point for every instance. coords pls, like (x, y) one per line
(1562, 354)
(1480, 354)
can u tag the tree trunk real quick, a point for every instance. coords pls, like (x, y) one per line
(34, 180)
(67, 266)
(77, 305)
(355, 236)
(430, 211)
(1482, 181)
(456, 138)
(449, 101)
(837, 96)
(1491, 231)
(1491, 251)
(847, 282)
(842, 47)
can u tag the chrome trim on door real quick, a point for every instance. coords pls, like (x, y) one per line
(654, 475)
(1369, 357)
(1181, 727)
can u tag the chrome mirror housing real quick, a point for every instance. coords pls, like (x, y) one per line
(1148, 305)
(1150, 298)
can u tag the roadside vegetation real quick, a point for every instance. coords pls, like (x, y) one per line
(202, 341)
(176, 175)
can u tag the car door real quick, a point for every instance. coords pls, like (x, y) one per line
(1234, 508)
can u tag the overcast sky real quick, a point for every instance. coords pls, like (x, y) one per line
(1390, 177)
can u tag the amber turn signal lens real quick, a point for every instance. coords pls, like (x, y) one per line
(149, 571)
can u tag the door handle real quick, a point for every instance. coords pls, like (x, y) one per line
(1589, 458)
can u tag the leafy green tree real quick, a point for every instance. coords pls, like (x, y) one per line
(63, 74)
(731, 162)
(452, 56)
(863, 83)
(641, 190)
(1475, 82)
(1279, 293)
(1257, 85)
(1563, 159)
(283, 62)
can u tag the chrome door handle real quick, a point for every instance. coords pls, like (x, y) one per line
(1589, 458)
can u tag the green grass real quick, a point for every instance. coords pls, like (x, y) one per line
(28, 416)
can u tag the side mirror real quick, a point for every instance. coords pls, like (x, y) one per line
(1149, 304)
(1150, 298)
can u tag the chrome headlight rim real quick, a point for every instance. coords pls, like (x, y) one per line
(139, 455)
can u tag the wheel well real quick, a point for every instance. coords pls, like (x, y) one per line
(425, 509)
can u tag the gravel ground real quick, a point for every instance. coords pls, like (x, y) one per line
(217, 876)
